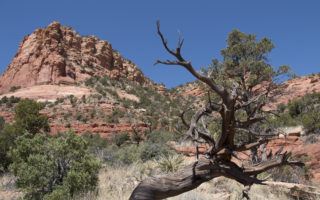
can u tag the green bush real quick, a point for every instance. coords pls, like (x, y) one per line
(104, 81)
(115, 116)
(73, 100)
(131, 153)
(95, 140)
(9, 102)
(121, 138)
(170, 163)
(306, 111)
(81, 117)
(99, 88)
(14, 88)
(160, 137)
(2, 123)
(28, 117)
(151, 151)
(8, 135)
(137, 137)
(51, 167)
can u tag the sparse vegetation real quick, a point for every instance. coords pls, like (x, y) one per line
(14, 88)
(304, 111)
(120, 139)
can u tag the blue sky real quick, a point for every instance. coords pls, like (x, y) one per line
(293, 26)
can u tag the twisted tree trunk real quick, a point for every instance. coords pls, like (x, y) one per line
(218, 158)
(174, 184)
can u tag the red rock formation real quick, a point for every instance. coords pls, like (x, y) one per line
(103, 129)
(289, 90)
(296, 88)
(59, 55)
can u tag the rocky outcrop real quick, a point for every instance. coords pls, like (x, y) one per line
(59, 55)
(105, 130)
(295, 88)
(43, 93)
(289, 90)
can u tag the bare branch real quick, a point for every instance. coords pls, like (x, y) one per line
(182, 118)
(252, 145)
(221, 91)
(277, 161)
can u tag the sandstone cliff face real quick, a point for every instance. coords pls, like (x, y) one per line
(59, 55)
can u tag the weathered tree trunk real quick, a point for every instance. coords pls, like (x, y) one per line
(189, 178)
(174, 184)
(218, 160)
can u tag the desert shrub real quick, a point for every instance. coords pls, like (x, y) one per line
(28, 117)
(132, 153)
(91, 81)
(305, 111)
(136, 137)
(14, 99)
(289, 174)
(14, 88)
(115, 116)
(311, 139)
(104, 80)
(295, 108)
(73, 100)
(121, 138)
(95, 140)
(112, 92)
(2, 123)
(170, 163)
(4, 100)
(281, 107)
(83, 99)
(119, 156)
(8, 135)
(51, 167)
(68, 125)
(93, 113)
(127, 103)
(66, 115)
(311, 121)
(151, 151)
(127, 155)
(81, 117)
(9, 102)
(160, 137)
(99, 88)
(59, 100)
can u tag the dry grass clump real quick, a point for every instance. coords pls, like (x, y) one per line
(118, 182)
(8, 191)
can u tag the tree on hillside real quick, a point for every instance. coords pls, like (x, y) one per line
(242, 84)
(27, 119)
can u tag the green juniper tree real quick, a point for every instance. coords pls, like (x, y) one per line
(242, 83)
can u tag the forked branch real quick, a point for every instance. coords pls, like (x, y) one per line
(221, 91)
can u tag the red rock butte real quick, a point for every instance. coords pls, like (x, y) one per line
(59, 55)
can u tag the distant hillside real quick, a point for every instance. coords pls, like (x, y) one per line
(289, 90)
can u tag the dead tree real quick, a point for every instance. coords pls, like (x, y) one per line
(243, 84)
